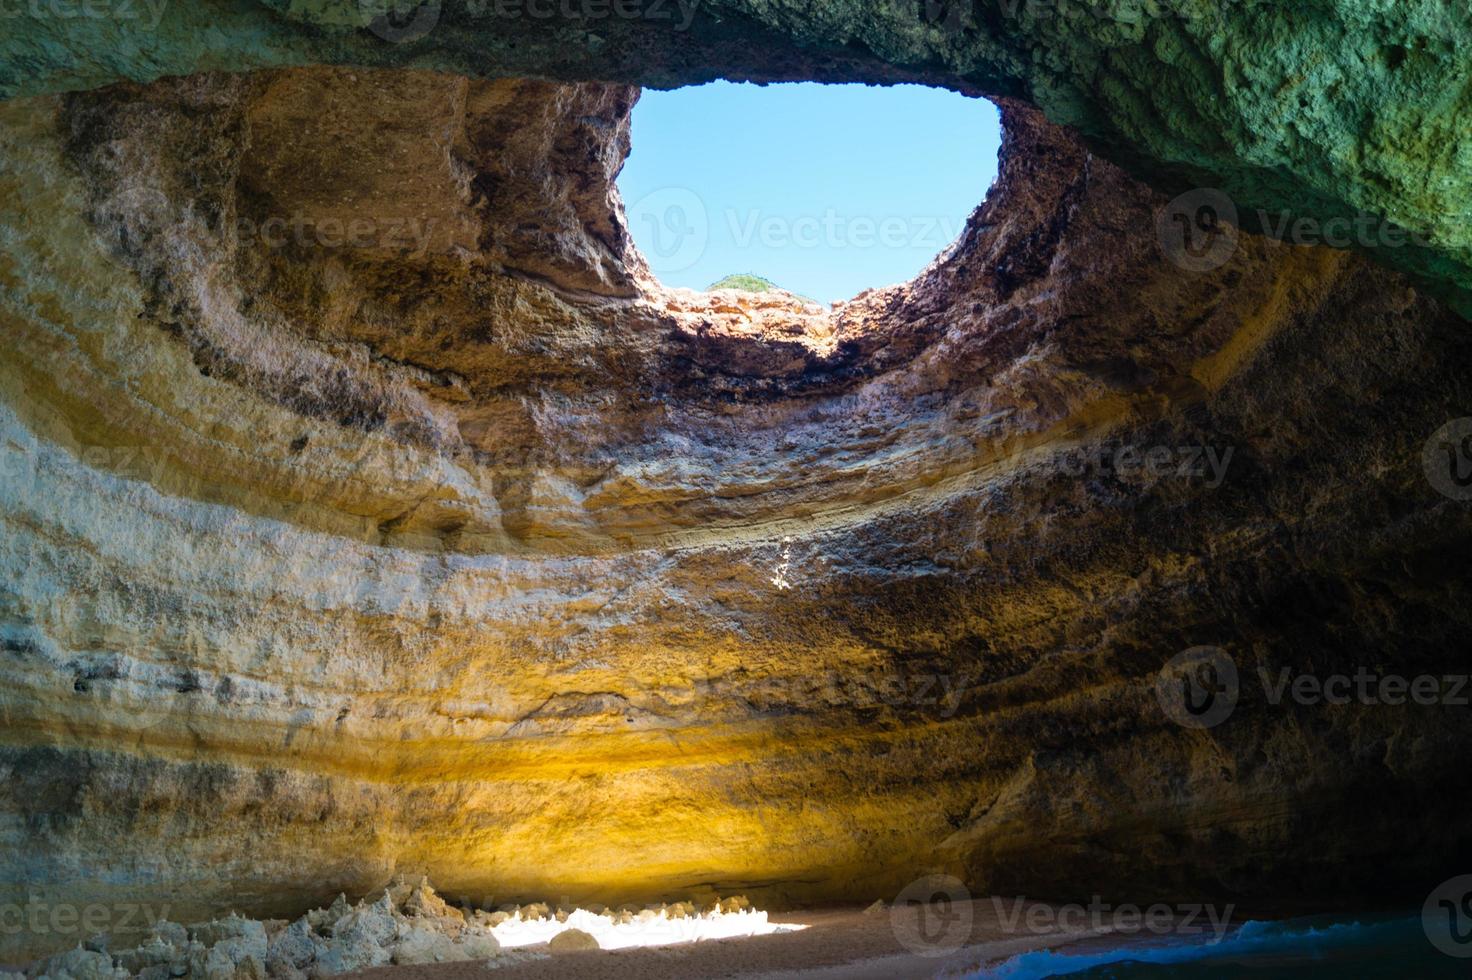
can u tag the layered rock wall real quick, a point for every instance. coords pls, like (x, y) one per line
(367, 508)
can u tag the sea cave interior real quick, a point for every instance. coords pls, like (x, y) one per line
(730, 488)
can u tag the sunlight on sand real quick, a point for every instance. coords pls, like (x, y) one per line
(647, 928)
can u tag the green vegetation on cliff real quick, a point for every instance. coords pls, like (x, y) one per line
(746, 282)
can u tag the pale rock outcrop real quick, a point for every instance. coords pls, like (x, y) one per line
(405, 924)
(79, 964)
(294, 948)
(425, 944)
(572, 941)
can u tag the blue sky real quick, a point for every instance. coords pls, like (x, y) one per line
(824, 189)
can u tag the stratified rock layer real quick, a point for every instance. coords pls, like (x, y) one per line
(367, 508)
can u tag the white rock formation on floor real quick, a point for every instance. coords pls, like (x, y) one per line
(403, 924)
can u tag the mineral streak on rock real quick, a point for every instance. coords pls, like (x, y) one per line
(367, 507)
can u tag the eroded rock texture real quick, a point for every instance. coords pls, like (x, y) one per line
(368, 508)
(405, 924)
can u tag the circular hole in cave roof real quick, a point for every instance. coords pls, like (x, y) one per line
(822, 190)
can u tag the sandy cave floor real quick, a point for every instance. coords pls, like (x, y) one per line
(838, 944)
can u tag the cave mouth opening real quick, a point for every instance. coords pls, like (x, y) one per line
(821, 190)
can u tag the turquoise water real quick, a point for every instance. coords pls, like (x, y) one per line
(1317, 948)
